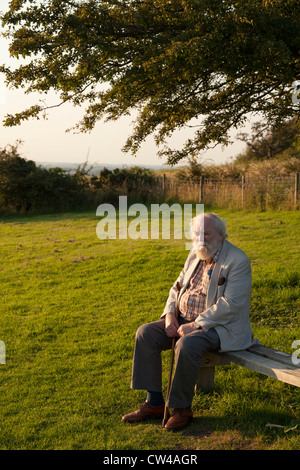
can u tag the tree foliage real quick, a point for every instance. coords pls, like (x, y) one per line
(131, 179)
(265, 143)
(202, 63)
(192, 172)
(26, 187)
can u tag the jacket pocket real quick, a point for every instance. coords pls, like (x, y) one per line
(220, 290)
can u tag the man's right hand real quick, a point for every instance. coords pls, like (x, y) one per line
(171, 325)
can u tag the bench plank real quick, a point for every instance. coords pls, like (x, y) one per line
(267, 361)
(213, 358)
(275, 354)
(270, 367)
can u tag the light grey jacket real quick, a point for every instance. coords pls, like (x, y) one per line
(227, 305)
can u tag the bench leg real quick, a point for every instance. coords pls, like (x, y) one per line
(206, 379)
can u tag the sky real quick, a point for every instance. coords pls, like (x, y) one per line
(47, 140)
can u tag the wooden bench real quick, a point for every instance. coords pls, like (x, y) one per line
(258, 358)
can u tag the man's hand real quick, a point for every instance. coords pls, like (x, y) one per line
(186, 328)
(171, 325)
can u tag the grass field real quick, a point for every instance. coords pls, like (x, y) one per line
(70, 305)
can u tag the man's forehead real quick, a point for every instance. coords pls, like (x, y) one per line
(203, 223)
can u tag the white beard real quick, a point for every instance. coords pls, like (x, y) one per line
(205, 251)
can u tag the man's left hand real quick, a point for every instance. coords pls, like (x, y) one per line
(186, 328)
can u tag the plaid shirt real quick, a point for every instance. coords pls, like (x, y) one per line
(193, 300)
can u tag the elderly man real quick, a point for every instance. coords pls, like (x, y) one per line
(214, 304)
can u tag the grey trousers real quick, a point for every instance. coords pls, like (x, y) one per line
(151, 340)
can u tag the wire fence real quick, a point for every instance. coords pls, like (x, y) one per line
(279, 193)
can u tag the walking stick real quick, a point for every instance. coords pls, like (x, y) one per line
(165, 419)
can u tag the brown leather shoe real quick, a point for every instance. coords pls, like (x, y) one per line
(179, 419)
(145, 411)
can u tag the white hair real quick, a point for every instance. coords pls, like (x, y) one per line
(220, 224)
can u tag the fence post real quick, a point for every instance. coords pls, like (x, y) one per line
(164, 186)
(201, 189)
(296, 189)
(243, 189)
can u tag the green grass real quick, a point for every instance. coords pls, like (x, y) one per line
(70, 305)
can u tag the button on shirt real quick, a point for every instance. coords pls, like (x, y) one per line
(193, 300)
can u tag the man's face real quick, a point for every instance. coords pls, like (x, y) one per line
(207, 239)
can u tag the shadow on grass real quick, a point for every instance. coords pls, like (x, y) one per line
(236, 433)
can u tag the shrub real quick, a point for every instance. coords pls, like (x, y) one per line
(25, 187)
(138, 183)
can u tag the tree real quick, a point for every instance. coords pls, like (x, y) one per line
(202, 63)
(265, 143)
(15, 179)
(26, 187)
(132, 178)
(193, 171)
